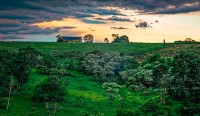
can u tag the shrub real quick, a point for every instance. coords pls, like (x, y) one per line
(52, 89)
(124, 112)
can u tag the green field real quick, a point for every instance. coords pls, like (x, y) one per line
(46, 47)
(92, 99)
(85, 96)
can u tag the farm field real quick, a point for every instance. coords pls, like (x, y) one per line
(77, 79)
(47, 47)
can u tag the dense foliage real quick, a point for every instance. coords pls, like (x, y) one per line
(51, 89)
(95, 82)
(186, 82)
(104, 67)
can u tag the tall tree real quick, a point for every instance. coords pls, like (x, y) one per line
(20, 71)
(7, 83)
(26, 59)
(162, 78)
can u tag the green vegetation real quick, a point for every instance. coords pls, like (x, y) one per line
(88, 79)
(48, 47)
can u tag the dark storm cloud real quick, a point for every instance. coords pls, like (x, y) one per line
(17, 15)
(8, 22)
(10, 36)
(8, 28)
(181, 9)
(37, 30)
(162, 6)
(83, 15)
(101, 11)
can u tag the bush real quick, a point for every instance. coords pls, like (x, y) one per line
(155, 108)
(52, 89)
(124, 112)
(2, 102)
(190, 110)
(52, 71)
(186, 82)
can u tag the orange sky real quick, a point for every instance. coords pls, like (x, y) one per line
(169, 27)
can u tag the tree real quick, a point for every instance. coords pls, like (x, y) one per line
(50, 90)
(106, 40)
(137, 79)
(152, 59)
(59, 38)
(26, 59)
(161, 77)
(111, 91)
(130, 63)
(115, 36)
(7, 83)
(103, 66)
(20, 71)
(30, 56)
(121, 39)
(186, 82)
(88, 38)
(124, 39)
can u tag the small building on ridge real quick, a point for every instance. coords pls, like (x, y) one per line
(71, 39)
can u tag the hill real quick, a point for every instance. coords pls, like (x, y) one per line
(172, 50)
(142, 88)
(90, 99)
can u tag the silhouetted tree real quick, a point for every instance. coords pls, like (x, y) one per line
(59, 38)
(88, 38)
(106, 40)
(121, 39)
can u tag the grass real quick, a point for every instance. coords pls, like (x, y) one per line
(48, 47)
(91, 99)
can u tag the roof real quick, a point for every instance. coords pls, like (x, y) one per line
(71, 38)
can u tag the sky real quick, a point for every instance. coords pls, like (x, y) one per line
(141, 20)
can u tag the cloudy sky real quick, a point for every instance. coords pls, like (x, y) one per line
(140, 20)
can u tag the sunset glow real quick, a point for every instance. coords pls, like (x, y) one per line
(103, 20)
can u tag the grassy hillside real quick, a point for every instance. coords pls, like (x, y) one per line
(78, 100)
(84, 94)
(174, 50)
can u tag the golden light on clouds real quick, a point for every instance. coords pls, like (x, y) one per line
(169, 27)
